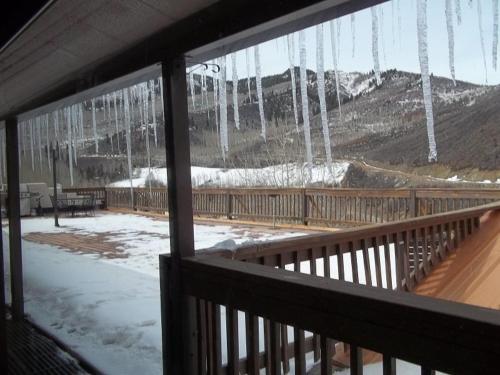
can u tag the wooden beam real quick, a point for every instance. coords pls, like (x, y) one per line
(13, 209)
(178, 310)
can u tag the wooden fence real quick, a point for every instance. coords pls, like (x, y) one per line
(329, 207)
(394, 256)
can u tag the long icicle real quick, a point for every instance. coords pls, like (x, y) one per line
(321, 93)
(191, 89)
(258, 80)
(94, 127)
(235, 91)
(494, 51)
(224, 141)
(153, 108)
(215, 84)
(424, 70)
(481, 36)
(305, 103)
(248, 75)
(145, 94)
(74, 121)
(70, 144)
(376, 63)
(291, 60)
(353, 34)
(126, 109)
(109, 130)
(451, 39)
(39, 136)
(32, 145)
(382, 37)
(48, 140)
(333, 41)
(116, 123)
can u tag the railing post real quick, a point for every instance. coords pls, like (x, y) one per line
(13, 209)
(178, 311)
(229, 205)
(413, 203)
(3, 338)
(305, 206)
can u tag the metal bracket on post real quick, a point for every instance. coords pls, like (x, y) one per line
(178, 309)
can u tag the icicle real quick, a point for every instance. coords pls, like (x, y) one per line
(153, 109)
(291, 59)
(399, 23)
(74, 121)
(235, 91)
(161, 98)
(458, 11)
(248, 76)
(382, 37)
(353, 34)
(424, 70)
(215, 82)
(19, 145)
(94, 126)
(23, 137)
(393, 23)
(321, 93)
(116, 123)
(39, 136)
(1, 157)
(223, 108)
(333, 41)
(32, 145)
(305, 104)
(495, 33)
(70, 144)
(376, 64)
(128, 139)
(451, 39)
(80, 120)
(145, 93)
(338, 21)
(191, 88)
(48, 141)
(481, 36)
(258, 81)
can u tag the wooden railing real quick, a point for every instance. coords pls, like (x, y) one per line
(393, 256)
(98, 192)
(329, 207)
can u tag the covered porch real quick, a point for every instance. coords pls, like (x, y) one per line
(308, 305)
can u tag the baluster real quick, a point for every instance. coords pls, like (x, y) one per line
(416, 259)
(327, 353)
(356, 359)
(233, 353)
(387, 256)
(425, 249)
(366, 262)
(389, 365)
(298, 337)
(376, 252)
(284, 334)
(312, 263)
(252, 341)
(398, 251)
(202, 336)
(275, 348)
(406, 260)
(354, 262)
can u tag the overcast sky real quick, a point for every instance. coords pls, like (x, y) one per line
(400, 46)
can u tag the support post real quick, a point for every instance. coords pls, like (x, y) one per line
(178, 310)
(3, 333)
(13, 209)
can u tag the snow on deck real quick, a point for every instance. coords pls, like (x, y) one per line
(108, 309)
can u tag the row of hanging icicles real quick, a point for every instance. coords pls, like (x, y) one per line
(64, 128)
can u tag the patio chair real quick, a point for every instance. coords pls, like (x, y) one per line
(88, 205)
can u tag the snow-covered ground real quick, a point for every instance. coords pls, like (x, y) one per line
(108, 310)
(286, 175)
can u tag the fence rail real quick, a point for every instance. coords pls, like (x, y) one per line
(328, 207)
(237, 301)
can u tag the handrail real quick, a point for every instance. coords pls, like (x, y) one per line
(273, 247)
(435, 334)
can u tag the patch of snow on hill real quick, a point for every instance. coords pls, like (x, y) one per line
(284, 175)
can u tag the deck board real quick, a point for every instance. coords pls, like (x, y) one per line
(471, 274)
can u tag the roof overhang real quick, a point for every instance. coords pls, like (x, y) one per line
(73, 46)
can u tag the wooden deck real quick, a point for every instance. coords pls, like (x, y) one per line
(30, 352)
(472, 273)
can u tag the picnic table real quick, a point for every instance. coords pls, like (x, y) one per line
(79, 203)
